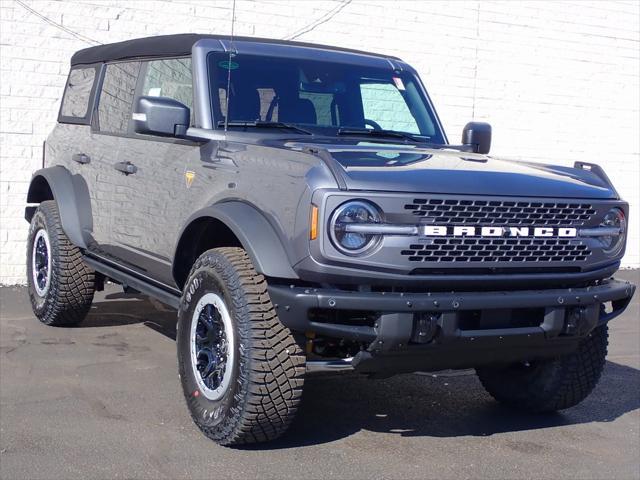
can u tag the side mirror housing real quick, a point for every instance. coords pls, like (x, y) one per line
(161, 116)
(478, 135)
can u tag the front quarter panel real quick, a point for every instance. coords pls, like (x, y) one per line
(262, 194)
(256, 235)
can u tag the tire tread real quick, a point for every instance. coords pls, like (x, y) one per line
(554, 384)
(276, 362)
(72, 283)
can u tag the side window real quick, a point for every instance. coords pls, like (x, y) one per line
(326, 111)
(383, 103)
(170, 78)
(268, 107)
(116, 97)
(77, 94)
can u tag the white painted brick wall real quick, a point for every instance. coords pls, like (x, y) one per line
(559, 81)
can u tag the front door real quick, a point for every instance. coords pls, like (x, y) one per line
(152, 200)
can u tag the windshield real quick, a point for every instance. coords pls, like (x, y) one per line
(318, 95)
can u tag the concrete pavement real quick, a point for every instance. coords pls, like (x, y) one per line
(104, 401)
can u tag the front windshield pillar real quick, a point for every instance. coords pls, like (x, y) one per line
(202, 95)
(445, 139)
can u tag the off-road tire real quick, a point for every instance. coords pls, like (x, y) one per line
(550, 385)
(268, 366)
(71, 283)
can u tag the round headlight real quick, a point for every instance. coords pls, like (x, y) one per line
(353, 243)
(612, 244)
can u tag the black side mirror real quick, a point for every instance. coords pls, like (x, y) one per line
(161, 116)
(477, 134)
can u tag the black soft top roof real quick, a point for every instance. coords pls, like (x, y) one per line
(174, 46)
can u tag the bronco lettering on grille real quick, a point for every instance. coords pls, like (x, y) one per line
(462, 231)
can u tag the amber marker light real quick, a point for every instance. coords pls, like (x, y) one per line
(314, 223)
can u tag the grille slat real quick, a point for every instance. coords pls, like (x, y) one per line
(499, 212)
(498, 250)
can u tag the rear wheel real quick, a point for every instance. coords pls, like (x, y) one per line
(61, 285)
(241, 370)
(550, 385)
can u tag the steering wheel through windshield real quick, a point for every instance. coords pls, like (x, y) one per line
(374, 125)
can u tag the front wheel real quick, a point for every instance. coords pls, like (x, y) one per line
(241, 370)
(550, 385)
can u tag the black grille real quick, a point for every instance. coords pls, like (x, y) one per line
(483, 250)
(500, 212)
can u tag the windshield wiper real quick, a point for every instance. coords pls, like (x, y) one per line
(403, 135)
(263, 124)
(378, 133)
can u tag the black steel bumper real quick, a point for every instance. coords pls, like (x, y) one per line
(394, 343)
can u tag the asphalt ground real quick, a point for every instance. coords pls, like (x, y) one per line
(104, 401)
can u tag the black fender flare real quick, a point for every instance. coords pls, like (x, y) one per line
(72, 197)
(257, 236)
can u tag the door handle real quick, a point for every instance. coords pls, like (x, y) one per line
(127, 168)
(80, 158)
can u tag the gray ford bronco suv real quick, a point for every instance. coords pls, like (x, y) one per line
(303, 210)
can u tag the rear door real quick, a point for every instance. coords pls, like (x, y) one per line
(87, 156)
(110, 123)
(151, 203)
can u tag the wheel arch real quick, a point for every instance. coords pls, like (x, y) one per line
(39, 191)
(70, 194)
(230, 224)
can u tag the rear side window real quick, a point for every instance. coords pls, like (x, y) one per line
(116, 97)
(77, 96)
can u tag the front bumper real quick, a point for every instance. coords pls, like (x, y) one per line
(463, 329)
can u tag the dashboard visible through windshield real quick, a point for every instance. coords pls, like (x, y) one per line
(318, 95)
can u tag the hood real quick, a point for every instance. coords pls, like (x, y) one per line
(405, 168)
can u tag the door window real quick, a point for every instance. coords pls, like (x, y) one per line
(169, 78)
(116, 97)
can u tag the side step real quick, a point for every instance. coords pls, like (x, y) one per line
(323, 366)
(164, 294)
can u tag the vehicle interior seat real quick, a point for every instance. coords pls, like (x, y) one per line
(244, 104)
(299, 110)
